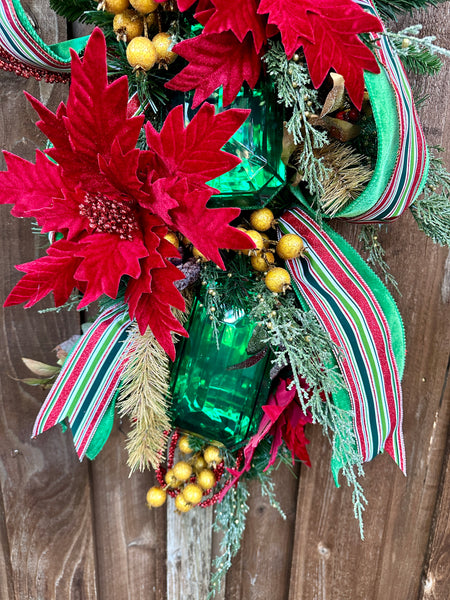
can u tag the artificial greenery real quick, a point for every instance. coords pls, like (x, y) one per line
(432, 209)
(419, 55)
(73, 10)
(230, 518)
(368, 236)
(297, 94)
(389, 9)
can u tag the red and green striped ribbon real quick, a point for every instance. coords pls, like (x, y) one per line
(19, 39)
(351, 313)
(411, 166)
(89, 379)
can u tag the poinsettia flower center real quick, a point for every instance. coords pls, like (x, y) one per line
(109, 215)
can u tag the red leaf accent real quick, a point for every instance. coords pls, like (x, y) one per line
(29, 187)
(106, 258)
(240, 18)
(63, 215)
(51, 273)
(195, 151)
(217, 59)
(328, 30)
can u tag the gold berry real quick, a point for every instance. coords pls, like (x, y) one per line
(183, 444)
(262, 261)
(199, 462)
(156, 497)
(141, 53)
(267, 241)
(114, 6)
(212, 455)
(171, 480)
(206, 479)
(164, 43)
(181, 504)
(192, 493)
(172, 238)
(262, 219)
(182, 470)
(257, 239)
(277, 280)
(128, 25)
(290, 246)
(144, 6)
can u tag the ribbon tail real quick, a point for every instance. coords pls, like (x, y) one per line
(364, 323)
(88, 381)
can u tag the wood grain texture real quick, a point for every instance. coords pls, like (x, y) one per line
(330, 562)
(130, 539)
(45, 510)
(436, 576)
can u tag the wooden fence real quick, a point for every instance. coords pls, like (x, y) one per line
(82, 531)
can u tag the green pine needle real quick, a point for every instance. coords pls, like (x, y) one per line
(389, 9)
(73, 10)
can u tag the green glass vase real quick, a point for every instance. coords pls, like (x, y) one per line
(258, 143)
(208, 399)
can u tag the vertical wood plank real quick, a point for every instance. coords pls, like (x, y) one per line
(130, 539)
(329, 559)
(45, 515)
(436, 576)
(189, 541)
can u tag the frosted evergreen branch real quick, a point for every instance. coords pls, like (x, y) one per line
(410, 34)
(230, 519)
(432, 210)
(371, 245)
(296, 92)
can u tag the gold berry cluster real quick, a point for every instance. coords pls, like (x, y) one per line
(135, 23)
(263, 257)
(189, 480)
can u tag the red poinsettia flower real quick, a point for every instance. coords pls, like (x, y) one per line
(229, 50)
(113, 204)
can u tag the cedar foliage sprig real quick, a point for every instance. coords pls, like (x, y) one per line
(296, 93)
(432, 210)
(297, 339)
(230, 518)
(368, 236)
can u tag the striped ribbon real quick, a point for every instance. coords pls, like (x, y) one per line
(409, 173)
(19, 39)
(89, 379)
(350, 312)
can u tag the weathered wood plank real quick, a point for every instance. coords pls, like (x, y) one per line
(329, 559)
(47, 522)
(262, 568)
(436, 576)
(130, 539)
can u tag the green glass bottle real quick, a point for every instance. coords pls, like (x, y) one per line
(258, 143)
(208, 399)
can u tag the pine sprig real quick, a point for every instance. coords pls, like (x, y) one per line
(432, 210)
(144, 400)
(418, 54)
(296, 93)
(389, 9)
(72, 10)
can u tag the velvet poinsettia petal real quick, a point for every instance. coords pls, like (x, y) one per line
(52, 273)
(95, 116)
(63, 215)
(106, 258)
(240, 18)
(195, 150)
(217, 59)
(328, 31)
(121, 169)
(208, 229)
(204, 11)
(30, 187)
